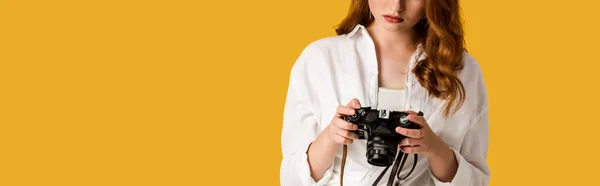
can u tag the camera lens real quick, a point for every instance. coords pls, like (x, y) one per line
(381, 150)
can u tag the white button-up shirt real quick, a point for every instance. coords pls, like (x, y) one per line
(331, 71)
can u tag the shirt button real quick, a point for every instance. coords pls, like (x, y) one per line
(410, 84)
(409, 107)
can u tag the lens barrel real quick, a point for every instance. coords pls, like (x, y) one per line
(381, 150)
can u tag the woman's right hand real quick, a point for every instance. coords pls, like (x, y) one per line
(339, 131)
(323, 150)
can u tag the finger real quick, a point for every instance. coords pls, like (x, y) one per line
(341, 110)
(342, 140)
(411, 150)
(354, 103)
(412, 116)
(418, 120)
(342, 124)
(410, 142)
(411, 133)
(346, 134)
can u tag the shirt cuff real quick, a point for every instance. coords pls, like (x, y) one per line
(304, 169)
(462, 176)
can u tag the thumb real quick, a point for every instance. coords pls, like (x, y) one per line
(354, 103)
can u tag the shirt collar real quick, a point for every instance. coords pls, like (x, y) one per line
(357, 28)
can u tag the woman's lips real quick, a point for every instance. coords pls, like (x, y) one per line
(393, 19)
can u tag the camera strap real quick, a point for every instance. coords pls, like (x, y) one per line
(411, 170)
(395, 169)
(400, 159)
(344, 153)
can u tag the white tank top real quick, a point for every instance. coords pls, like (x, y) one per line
(391, 99)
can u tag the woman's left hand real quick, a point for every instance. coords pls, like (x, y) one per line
(421, 141)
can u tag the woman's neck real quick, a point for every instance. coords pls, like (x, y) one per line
(397, 40)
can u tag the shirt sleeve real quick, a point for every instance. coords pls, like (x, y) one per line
(300, 128)
(472, 166)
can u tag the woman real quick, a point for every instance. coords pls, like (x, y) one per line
(397, 55)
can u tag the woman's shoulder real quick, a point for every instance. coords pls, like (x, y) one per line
(322, 52)
(472, 78)
(471, 68)
(330, 49)
(327, 45)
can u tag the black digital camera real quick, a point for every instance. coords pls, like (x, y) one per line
(378, 127)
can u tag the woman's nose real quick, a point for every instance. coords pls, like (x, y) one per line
(397, 5)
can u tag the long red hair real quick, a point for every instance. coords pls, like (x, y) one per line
(442, 37)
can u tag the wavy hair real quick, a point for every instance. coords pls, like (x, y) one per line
(441, 34)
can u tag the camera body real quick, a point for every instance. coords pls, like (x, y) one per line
(378, 127)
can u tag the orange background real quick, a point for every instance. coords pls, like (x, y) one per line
(192, 92)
